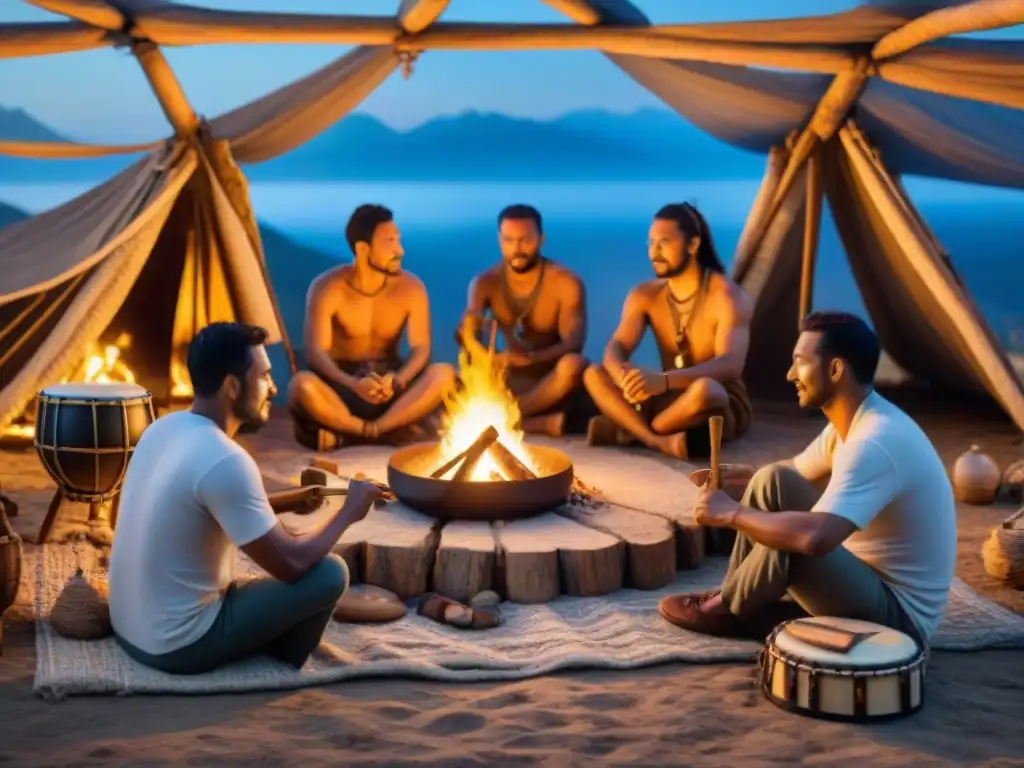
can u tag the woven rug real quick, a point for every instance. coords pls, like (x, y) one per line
(617, 631)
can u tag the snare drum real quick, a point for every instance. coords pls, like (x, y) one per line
(842, 669)
(86, 434)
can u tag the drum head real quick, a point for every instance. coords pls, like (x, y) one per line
(95, 391)
(885, 646)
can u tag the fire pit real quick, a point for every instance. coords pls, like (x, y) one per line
(452, 490)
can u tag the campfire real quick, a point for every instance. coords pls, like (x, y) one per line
(482, 437)
(482, 468)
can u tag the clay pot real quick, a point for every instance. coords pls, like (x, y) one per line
(976, 477)
(734, 478)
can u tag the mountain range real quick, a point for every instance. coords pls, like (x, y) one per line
(649, 144)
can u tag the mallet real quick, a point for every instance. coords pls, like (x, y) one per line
(715, 426)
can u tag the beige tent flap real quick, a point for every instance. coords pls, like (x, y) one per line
(290, 116)
(251, 292)
(50, 248)
(924, 316)
(99, 295)
(769, 276)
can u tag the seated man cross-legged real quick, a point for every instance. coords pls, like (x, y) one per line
(540, 308)
(357, 386)
(879, 545)
(700, 320)
(191, 498)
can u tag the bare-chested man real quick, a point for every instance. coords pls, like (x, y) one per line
(540, 308)
(701, 323)
(357, 385)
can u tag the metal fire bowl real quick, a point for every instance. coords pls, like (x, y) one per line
(409, 477)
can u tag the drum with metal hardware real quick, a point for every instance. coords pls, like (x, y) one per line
(85, 436)
(842, 669)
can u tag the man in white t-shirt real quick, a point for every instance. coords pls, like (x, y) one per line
(191, 499)
(879, 545)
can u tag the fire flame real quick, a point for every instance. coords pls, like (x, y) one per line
(482, 400)
(100, 365)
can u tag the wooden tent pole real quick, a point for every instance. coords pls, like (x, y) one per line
(414, 16)
(812, 231)
(166, 88)
(830, 113)
(976, 16)
(580, 11)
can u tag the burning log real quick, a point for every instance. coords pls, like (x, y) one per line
(474, 453)
(479, 447)
(511, 467)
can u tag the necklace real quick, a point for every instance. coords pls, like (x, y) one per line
(361, 292)
(681, 323)
(521, 306)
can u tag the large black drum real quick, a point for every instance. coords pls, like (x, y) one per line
(86, 434)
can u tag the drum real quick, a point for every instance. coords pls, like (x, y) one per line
(842, 669)
(86, 434)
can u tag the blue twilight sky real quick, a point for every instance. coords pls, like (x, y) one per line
(102, 96)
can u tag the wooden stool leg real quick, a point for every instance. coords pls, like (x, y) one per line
(51, 516)
(115, 507)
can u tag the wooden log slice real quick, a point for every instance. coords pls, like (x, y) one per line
(398, 546)
(650, 541)
(466, 558)
(539, 557)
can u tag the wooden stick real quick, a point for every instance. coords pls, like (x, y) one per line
(715, 427)
(509, 464)
(473, 454)
(443, 470)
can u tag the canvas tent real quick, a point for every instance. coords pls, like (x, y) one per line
(843, 105)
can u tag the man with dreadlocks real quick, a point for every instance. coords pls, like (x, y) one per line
(701, 324)
(358, 387)
(540, 308)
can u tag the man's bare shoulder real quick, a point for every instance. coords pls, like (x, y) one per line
(562, 275)
(646, 292)
(408, 285)
(727, 296)
(330, 283)
(488, 281)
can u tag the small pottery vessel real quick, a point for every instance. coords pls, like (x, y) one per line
(976, 477)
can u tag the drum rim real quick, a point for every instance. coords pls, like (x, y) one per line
(79, 400)
(842, 670)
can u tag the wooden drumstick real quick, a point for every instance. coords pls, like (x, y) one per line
(715, 427)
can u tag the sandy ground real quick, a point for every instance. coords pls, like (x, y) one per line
(670, 715)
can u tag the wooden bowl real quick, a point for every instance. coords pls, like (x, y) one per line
(735, 478)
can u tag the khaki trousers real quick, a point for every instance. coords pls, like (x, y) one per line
(837, 584)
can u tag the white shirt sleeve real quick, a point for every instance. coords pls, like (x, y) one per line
(816, 459)
(232, 492)
(864, 481)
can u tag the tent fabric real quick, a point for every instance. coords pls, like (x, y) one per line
(98, 299)
(897, 266)
(279, 122)
(53, 246)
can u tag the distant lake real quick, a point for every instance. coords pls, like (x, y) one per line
(600, 230)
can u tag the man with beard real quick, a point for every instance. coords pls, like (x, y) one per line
(879, 545)
(701, 324)
(540, 308)
(191, 498)
(358, 386)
